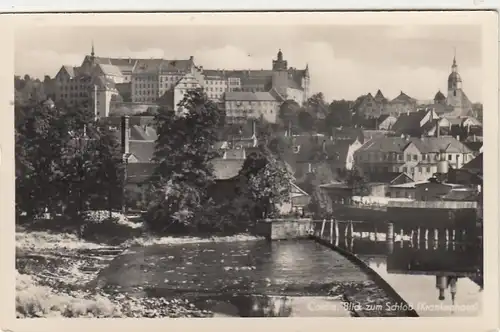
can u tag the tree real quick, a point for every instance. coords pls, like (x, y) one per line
(317, 106)
(40, 134)
(264, 184)
(357, 181)
(178, 188)
(288, 114)
(339, 114)
(305, 121)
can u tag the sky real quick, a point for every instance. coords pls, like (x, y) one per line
(344, 61)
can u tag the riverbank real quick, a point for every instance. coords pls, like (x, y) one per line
(53, 271)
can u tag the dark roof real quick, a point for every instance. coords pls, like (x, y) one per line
(474, 146)
(409, 123)
(403, 97)
(424, 145)
(143, 133)
(439, 96)
(475, 164)
(379, 96)
(142, 150)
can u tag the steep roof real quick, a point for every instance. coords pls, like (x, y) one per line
(403, 98)
(474, 146)
(142, 150)
(379, 96)
(439, 96)
(110, 70)
(424, 145)
(409, 123)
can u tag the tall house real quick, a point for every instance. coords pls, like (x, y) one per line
(417, 157)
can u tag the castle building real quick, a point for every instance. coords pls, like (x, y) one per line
(155, 81)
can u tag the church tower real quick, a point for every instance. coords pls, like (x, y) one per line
(455, 92)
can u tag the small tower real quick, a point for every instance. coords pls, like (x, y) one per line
(279, 63)
(454, 97)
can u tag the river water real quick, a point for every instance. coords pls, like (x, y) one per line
(292, 278)
(255, 278)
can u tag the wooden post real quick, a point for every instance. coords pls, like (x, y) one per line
(436, 235)
(346, 229)
(390, 232)
(376, 234)
(418, 234)
(426, 237)
(453, 235)
(331, 231)
(447, 235)
(322, 228)
(401, 234)
(351, 229)
(336, 229)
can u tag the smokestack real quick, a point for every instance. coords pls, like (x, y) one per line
(438, 129)
(125, 133)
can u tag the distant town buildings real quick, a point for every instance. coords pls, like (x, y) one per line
(455, 103)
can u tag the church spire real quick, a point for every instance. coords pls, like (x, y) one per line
(92, 54)
(454, 65)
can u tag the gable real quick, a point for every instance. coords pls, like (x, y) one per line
(411, 148)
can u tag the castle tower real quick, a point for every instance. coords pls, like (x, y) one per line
(280, 64)
(280, 74)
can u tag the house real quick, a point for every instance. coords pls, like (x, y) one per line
(379, 183)
(140, 167)
(437, 191)
(417, 157)
(414, 123)
(400, 105)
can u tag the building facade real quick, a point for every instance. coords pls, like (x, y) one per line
(417, 157)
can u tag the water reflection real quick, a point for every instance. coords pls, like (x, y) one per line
(438, 271)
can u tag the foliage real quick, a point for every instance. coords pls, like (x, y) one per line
(305, 121)
(178, 188)
(357, 181)
(317, 105)
(264, 185)
(339, 114)
(288, 114)
(64, 161)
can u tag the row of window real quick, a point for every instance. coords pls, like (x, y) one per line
(380, 156)
(209, 82)
(408, 170)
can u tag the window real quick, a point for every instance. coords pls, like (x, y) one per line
(428, 169)
(420, 169)
(408, 157)
(450, 157)
(405, 170)
(415, 157)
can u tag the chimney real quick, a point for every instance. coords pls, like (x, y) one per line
(254, 131)
(323, 146)
(125, 134)
(438, 129)
(191, 58)
(474, 138)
